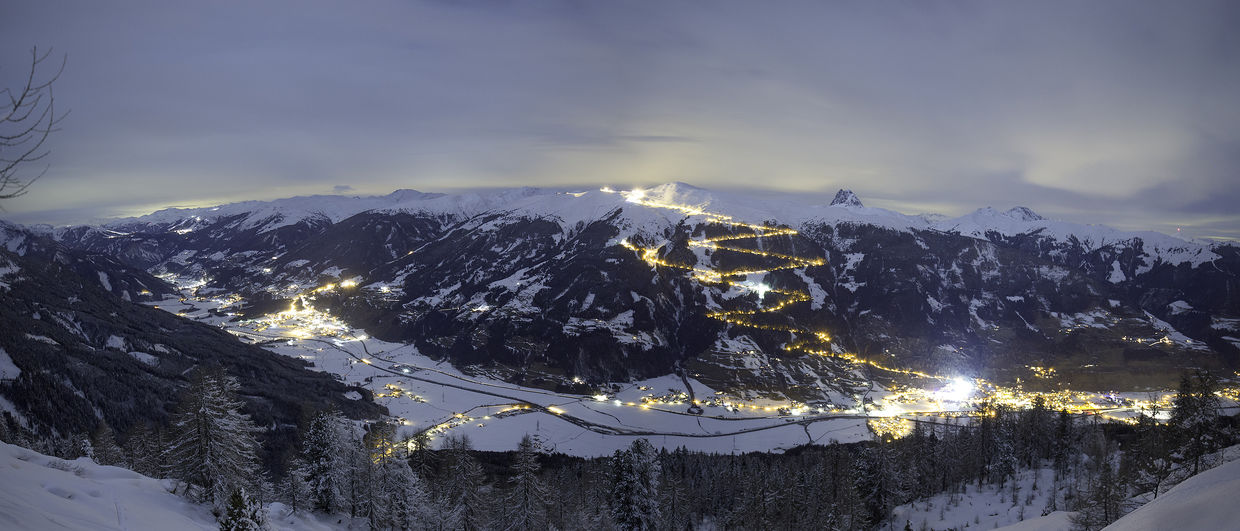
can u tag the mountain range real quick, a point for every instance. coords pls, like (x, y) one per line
(756, 295)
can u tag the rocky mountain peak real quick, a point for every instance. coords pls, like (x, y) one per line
(846, 198)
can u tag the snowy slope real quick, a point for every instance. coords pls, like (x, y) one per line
(1055, 521)
(1021, 220)
(269, 215)
(40, 492)
(1204, 501)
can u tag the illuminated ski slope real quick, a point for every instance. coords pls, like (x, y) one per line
(808, 341)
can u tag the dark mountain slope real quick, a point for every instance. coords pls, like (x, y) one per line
(87, 354)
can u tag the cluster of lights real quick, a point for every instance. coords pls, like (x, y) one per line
(956, 397)
(395, 391)
(1040, 372)
(746, 318)
(1164, 340)
(303, 320)
(892, 427)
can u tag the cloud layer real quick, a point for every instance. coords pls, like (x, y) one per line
(1117, 112)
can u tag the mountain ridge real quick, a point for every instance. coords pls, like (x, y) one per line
(274, 214)
(615, 284)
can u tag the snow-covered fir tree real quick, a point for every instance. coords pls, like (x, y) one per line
(635, 487)
(243, 513)
(213, 446)
(324, 466)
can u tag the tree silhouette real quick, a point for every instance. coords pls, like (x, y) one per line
(27, 117)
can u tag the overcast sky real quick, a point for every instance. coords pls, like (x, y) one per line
(1118, 112)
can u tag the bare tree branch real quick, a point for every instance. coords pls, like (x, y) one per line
(27, 118)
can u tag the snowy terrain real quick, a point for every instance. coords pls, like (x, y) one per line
(1025, 497)
(1201, 502)
(41, 492)
(1204, 501)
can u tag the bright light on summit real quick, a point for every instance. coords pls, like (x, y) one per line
(634, 196)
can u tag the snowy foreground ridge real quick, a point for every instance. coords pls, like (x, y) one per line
(38, 492)
(1205, 501)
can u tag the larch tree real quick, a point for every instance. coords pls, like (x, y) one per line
(399, 500)
(106, 451)
(466, 508)
(525, 503)
(213, 446)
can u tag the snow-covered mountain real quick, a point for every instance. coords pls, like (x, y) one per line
(78, 345)
(613, 284)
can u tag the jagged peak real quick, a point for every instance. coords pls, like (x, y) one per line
(846, 198)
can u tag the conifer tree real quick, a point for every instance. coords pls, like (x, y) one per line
(525, 503)
(396, 499)
(213, 449)
(635, 485)
(466, 508)
(292, 487)
(1103, 493)
(243, 513)
(1194, 417)
(324, 466)
(144, 449)
(421, 458)
(106, 451)
(1149, 459)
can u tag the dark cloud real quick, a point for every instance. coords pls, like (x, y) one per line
(1116, 112)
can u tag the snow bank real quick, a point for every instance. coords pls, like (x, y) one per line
(1204, 501)
(1056, 521)
(41, 492)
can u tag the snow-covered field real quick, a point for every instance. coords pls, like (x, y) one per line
(38, 492)
(424, 393)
